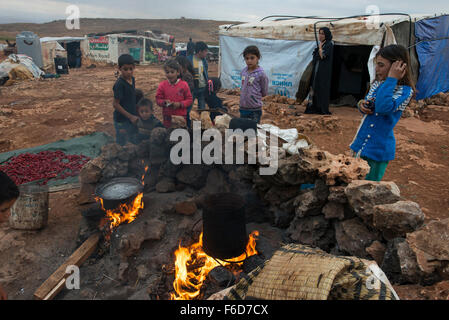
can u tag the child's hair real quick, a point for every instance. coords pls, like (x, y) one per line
(200, 46)
(8, 189)
(125, 59)
(252, 50)
(139, 95)
(145, 102)
(172, 64)
(397, 52)
(185, 63)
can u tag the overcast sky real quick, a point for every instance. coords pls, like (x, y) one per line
(235, 10)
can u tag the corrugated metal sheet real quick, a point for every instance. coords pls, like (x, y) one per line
(347, 31)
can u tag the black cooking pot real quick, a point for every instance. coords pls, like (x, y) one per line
(224, 226)
(118, 191)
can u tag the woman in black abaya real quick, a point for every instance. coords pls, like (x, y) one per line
(322, 74)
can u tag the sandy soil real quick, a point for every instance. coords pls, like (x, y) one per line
(38, 112)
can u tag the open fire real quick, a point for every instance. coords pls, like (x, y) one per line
(125, 212)
(192, 265)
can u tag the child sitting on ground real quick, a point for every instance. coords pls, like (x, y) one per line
(8, 195)
(388, 96)
(254, 85)
(125, 116)
(173, 94)
(147, 121)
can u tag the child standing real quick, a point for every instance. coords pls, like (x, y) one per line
(186, 71)
(173, 94)
(125, 116)
(254, 85)
(147, 121)
(388, 96)
(200, 76)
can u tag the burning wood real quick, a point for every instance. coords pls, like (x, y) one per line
(192, 266)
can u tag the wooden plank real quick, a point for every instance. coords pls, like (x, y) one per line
(55, 283)
(64, 187)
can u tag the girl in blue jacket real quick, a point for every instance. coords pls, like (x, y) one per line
(388, 96)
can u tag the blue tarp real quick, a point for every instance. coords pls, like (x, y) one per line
(433, 56)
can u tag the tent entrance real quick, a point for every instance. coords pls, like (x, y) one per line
(71, 53)
(350, 76)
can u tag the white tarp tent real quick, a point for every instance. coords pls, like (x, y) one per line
(287, 44)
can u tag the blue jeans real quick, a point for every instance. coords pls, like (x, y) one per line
(125, 132)
(249, 114)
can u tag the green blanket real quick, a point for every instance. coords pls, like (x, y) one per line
(89, 146)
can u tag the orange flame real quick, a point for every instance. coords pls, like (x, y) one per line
(124, 213)
(192, 265)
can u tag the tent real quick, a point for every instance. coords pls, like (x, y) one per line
(61, 47)
(287, 42)
(107, 48)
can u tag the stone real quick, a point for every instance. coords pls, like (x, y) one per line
(311, 202)
(334, 210)
(282, 219)
(363, 195)
(331, 168)
(178, 122)
(206, 122)
(397, 219)
(166, 185)
(353, 237)
(222, 122)
(277, 195)
(193, 175)
(377, 251)
(187, 208)
(221, 277)
(337, 194)
(136, 233)
(216, 182)
(87, 193)
(314, 231)
(399, 263)
(91, 171)
(110, 151)
(252, 263)
(431, 245)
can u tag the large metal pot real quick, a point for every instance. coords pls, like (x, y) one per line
(118, 191)
(224, 226)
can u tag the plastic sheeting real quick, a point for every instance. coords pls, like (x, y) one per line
(433, 56)
(283, 61)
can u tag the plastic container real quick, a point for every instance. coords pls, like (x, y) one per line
(61, 65)
(30, 212)
(30, 44)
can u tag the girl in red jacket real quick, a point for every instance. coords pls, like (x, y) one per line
(173, 94)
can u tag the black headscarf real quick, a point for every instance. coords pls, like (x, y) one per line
(327, 33)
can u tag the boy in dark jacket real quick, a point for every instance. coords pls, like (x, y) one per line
(147, 121)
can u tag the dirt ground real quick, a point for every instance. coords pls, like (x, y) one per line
(33, 113)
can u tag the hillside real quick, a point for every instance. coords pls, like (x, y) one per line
(182, 29)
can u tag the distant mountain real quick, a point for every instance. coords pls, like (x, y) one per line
(181, 29)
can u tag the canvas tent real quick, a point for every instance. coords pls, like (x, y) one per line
(286, 44)
(51, 47)
(107, 48)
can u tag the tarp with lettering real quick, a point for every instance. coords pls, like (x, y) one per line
(284, 62)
